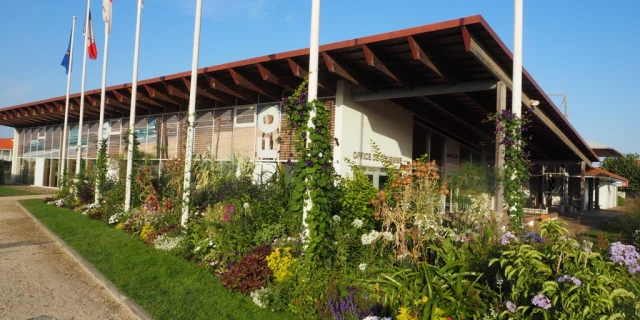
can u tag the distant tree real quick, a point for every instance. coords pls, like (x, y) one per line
(628, 167)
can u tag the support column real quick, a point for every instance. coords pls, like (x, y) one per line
(591, 190)
(15, 162)
(501, 105)
(582, 193)
(342, 93)
(597, 186)
(565, 193)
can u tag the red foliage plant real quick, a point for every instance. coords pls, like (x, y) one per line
(250, 273)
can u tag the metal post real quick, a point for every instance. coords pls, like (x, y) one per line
(102, 102)
(63, 147)
(501, 105)
(132, 114)
(82, 88)
(516, 103)
(186, 190)
(312, 93)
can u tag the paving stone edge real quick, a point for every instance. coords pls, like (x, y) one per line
(120, 297)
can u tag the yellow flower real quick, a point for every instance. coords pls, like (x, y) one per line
(120, 226)
(145, 231)
(280, 263)
(404, 314)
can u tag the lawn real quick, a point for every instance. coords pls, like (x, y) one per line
(6, 191)
(166, 286)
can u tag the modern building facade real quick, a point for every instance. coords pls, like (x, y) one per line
(424, 90)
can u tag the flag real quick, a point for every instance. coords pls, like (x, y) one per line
(93, 50)
(67, 57)
(107, 13)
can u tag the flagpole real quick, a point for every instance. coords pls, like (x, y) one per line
(107, 31)
(312, 92)
(82, 88)
(132, 114)
(186, 190)
(63, 155)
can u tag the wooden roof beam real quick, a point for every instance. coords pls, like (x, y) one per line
(338, 69)
(419, 53)
(153, 93)
(126, 100)
(374, 61)
(207, 94)
(141, 97)
(329, 85)
(265, 89)
(482, 55)
(269, 76)
(237, 92)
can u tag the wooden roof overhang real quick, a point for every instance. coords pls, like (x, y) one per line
(445, 73)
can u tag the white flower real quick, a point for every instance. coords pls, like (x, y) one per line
(246, 205)
(336, 218)
(376, 318)
(166, 243)
(387, 235)
(370, 237)
(257, 295)
(362, 266)
(357, 223)
(320, 155)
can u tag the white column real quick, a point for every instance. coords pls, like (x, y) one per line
(516, 100)
(313, 92)
(342, 93)
(132, 114)
(186, 190)
(102, 102)
(63, 143)
(82, 88)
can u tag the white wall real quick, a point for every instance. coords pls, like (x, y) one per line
(357, 124)
(608, 194)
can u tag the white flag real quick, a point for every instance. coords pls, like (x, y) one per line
(107, 13)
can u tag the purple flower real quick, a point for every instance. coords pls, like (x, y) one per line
(309, 163)
(507, 237)
(511, 306)
(319, 131)
(532, 236)
(304, 134)
(541, 301)
(625, 255)
(300, 113)
(324, 166)
(523, 129)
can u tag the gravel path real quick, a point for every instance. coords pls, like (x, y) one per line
(40, 280)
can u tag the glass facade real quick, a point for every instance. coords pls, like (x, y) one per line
(224, 132)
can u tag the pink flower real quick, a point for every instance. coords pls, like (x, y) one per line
(226, 217)
(229, 209)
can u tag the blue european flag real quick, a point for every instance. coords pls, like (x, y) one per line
(67, 57)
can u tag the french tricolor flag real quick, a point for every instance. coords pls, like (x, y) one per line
(92, 48)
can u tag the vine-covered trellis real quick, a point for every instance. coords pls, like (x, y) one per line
(510, 131)
(313, 169)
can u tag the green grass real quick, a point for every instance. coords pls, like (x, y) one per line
(166, 286)
(6, 191)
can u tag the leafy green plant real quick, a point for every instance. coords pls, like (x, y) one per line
(313, 170)
(515, 173)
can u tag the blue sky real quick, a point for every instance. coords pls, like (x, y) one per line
(594, 44)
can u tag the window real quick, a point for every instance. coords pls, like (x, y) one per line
(437, 148)
(244, 117)
(377, 176)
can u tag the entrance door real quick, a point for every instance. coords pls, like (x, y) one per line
(39, 172)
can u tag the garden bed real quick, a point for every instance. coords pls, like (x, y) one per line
(166, 286)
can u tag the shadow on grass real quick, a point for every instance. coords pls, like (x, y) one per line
(166, 286)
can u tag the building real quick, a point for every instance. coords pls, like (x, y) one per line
(420, 90)
(6, 149)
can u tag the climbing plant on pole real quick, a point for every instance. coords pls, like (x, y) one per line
(312, 169)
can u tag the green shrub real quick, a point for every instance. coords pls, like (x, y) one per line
(620, 201)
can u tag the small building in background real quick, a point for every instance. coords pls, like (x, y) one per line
(602, 188)
(6, 149)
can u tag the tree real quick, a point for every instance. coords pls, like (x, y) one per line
(628, 167)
